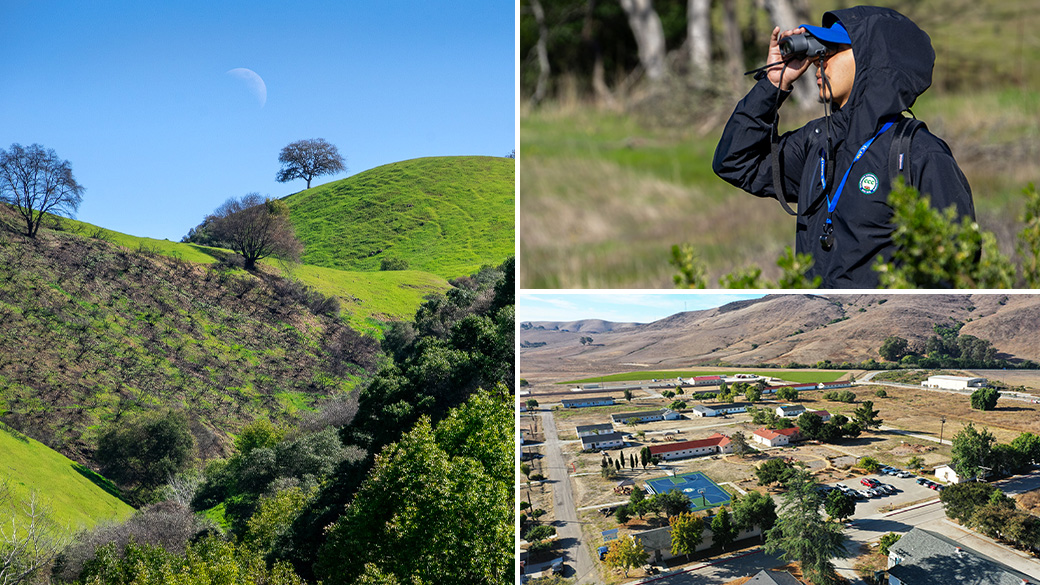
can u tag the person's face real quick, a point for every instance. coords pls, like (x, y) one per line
(840, 68)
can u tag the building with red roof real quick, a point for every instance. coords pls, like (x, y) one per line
(778, 437)
(717, 443)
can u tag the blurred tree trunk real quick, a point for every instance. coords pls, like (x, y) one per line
(588, 35)
(649, 34)
(698, 31)
(734, 45)
(788, 14)
(543, 54)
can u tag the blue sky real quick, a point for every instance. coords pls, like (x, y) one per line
(138, 98)
(620, 306)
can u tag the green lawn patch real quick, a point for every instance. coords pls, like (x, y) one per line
(78, 497)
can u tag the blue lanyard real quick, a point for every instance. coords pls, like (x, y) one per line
(833, 204)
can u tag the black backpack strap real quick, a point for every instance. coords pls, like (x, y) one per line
(778, 180)
(899, 157)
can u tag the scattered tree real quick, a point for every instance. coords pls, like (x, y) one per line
(256, 227)
(625, 553)
(687, 532)
(391, 264)
(36, 182)
(754, 509)
(810, 423)
(740, 444)
(984, 398)
(677, 405)
(866, 416)
(971, 451)
(753, 394)
(623, 514)
(306, 159)
(839, 506)
(723, 530)
(803, 535)
(628, 394)
(673, 502)
(532, 403)
(887, 541)
(1028, 446)
(772, 471)
(869, 464)
(915, 462)
(787, 393)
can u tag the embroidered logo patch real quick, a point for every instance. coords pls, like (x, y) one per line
(868, 183)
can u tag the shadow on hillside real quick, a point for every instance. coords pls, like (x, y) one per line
(18, 436)
(219, 255)
(100, 481)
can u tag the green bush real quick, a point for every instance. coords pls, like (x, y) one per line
(393, 264)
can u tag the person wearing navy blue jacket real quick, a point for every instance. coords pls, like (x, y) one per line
(837, 168)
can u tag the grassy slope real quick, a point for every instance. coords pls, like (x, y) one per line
(445, 215)
(71, 491)
(367, 297)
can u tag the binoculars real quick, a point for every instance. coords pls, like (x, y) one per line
(802, 46)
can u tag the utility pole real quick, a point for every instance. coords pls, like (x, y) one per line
(942, 425)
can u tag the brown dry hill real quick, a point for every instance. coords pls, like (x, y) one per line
(779, 329)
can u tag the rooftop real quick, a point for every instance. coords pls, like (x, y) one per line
(933, 559)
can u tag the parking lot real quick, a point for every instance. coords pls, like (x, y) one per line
(907, 492)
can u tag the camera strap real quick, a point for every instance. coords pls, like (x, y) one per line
(774, 149)
(899, 156)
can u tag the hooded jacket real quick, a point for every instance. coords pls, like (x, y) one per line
(894, 60)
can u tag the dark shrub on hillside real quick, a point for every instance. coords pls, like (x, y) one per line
(393, 264)
(166, 524)
(140, 452)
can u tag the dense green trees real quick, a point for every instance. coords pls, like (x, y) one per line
(687, 532)
(422, 485)
(754, 509)
(971, 451)
(893, 348)
(723, 530)
(839, 506)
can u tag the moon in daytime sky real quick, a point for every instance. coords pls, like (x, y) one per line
(255, 82)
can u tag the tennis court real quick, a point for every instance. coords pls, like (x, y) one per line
(703, 492)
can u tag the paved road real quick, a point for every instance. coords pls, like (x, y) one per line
(577, 558)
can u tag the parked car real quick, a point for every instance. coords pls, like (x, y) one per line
(904, 474)
(602, 552)
(859, 494)
(869, 482)
(872, 493)
(921, 480)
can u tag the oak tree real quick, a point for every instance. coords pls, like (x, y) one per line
(36, 182)
(256, 227)
(306, 159)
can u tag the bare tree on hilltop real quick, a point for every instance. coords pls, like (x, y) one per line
(256, 227)
(306, 159)
(36, 182)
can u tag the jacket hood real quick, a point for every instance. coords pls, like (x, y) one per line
(894, 62)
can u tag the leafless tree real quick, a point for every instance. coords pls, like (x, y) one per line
(256, 227)
(649, 34)
(36, 182)
(543, 55)
(698, 30)
(30, 540)
(306, 159)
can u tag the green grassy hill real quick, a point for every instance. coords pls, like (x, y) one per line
(76, 496)
(444, 215)
(367, 298)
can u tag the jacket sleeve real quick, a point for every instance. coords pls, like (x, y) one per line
(939, 177)
(742, 156)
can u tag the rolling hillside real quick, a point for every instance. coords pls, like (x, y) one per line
(91, 330)
(367, 298)
(78, 497)
(779, 329)
(444, 215)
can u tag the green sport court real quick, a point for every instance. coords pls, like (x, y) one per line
(702, 491)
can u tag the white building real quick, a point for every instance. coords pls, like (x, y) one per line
(602, 441)
(587, 402)
(777, 438)
(586, 430)
(947, 474)
(717, 443)
(790, 410)
(953, 382)
(645, 416)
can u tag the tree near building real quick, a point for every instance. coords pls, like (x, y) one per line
(801, 534)
(754, 509)
(1028, 446)
(787, 393)
(971, 451)
(772, 471)
(256, 227)
(753, 394)
(740, 444)
(625, 553)
(306, 159)
(723, 530)
(36, 182)
(672, 502)
(687, 533)
(984, 398)
(887, 541)
(810, 423)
